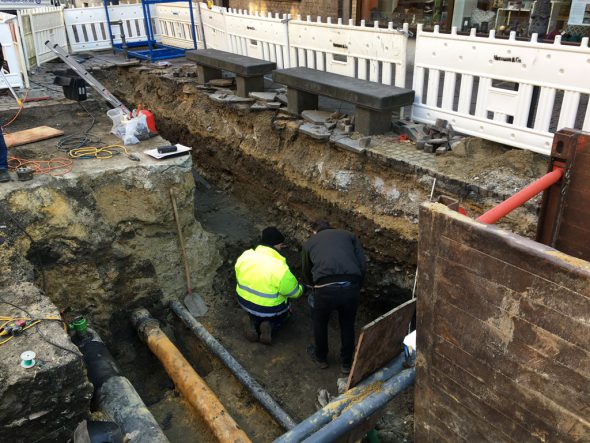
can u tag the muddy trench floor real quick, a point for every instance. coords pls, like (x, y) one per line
(283, 369)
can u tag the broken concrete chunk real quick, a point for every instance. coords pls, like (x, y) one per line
(420, 144)
(364, 142)
(222, 82)
(263, 96)
(330, 125)
(319, 132)
(440, 150)
(348, 129)
(428, 148)
(316, 117)
(282, 98)
(347, 143)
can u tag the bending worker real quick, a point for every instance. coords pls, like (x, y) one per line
(265, 285)
(334, 262)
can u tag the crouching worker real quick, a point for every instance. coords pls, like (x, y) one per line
(265, 285)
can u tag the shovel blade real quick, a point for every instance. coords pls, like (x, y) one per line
(196, 305)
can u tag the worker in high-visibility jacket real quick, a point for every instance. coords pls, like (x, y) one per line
(265, 286)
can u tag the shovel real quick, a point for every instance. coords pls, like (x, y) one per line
(194, 302)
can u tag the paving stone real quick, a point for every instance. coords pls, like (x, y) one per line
(263, 96)
(316, 117)
(282, 98)
(227, 98)
(319, 132)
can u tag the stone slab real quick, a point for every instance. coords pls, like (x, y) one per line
(263, 96)
(371, 95)
(347, 143)
(316, 117)
(227, 98)
(319, 132)
(238, 64)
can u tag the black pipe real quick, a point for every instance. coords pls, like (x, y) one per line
(267, 402)
(115, 396)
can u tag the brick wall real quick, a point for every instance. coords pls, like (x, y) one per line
(325, 8)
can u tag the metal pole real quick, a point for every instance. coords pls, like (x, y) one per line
(521, 197)
(331, 411)
(357, 413)
(267, 402)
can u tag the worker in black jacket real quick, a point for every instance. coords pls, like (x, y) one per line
(334, 265)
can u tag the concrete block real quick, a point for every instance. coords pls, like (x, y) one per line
(429, 148)
(245, 85)
(440, 151)
(299, 101)
(316, 117)
(370, 122)
(205, 74)
(319, 132)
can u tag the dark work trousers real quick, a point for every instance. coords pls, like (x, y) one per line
(341, 298)
(3, 153)
(275, 322)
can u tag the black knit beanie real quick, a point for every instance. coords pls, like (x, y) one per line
(272, 236)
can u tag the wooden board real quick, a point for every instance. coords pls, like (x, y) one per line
(380, 341)
(504, 342)
(31, 135)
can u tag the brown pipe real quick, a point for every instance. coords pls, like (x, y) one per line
(187, 381)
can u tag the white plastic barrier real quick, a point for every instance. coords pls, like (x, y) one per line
(39, 25)
(12, 53)
(258, 35)
(87, 28)
(174, 22)
(214, 27)
(374, 54)
(488, 87)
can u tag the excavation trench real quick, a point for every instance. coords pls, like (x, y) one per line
(102, 241)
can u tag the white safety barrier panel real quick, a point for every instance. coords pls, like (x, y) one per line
(259, 35)
(214, 27)
(513, 92)
(374, 54)
(14, 70)
(174, 22)
(37, 26)
(88, 28)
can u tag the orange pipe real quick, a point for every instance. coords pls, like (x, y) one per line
(522, 196)
(187, 381)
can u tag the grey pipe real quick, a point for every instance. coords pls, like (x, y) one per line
(267, 402)
(331, 411)
(361, 411)
(115, 396)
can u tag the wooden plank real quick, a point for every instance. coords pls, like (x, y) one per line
(489, 344)
(504, 335)
(380, 341)
(32, 135)
(531, 408)
(493, 301)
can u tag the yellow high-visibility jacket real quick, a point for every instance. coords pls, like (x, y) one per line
(265, 283)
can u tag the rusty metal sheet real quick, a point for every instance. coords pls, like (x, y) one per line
(503, 335)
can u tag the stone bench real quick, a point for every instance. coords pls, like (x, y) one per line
(374, 101)
(249, 71)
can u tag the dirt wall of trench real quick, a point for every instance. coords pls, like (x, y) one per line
(261, 157)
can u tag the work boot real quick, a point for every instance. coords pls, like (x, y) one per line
(320, 364)
(265, 333)
(249, 330)
(4, 176)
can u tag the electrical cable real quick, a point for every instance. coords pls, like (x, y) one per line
(100, 153)
(75, 141)
(21, 105)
